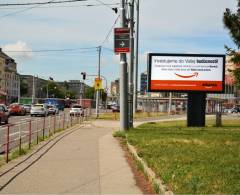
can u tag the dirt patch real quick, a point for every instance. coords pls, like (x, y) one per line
(141, 181)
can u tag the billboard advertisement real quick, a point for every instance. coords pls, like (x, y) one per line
(186, 72)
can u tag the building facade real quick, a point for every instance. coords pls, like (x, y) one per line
(9, 78)
(143, 83)
(34, 86)
(76, 86)
(115, 87)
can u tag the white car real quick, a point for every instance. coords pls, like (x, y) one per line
(39, 110)
(76, 110)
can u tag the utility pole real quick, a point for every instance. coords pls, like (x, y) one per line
(47, 88)
(98, 92)
(19, 89)
(123, 77)
(131, 64)
(135, 93)
(170, 103)
(33, 89)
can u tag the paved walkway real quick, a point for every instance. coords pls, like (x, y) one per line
(83, 160)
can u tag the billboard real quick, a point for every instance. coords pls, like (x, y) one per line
(186, 72)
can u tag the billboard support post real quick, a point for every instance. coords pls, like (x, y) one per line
(196, 109)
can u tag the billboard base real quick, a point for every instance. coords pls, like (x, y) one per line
(196, 109)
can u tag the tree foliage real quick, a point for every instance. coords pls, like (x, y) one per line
(23, 87)
(232, 23)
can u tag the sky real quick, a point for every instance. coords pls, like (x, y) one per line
(166, 26)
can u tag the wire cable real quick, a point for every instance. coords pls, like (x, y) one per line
(40, 3)
(108, 49)
(52, 50)
(17, 12)
(53, 6)
(112, 8)
(110, 31)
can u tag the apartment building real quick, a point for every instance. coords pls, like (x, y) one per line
(115, 87)
(9, 78)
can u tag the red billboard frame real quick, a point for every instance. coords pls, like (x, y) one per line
(185, 83)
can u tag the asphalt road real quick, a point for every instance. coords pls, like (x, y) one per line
(19, 126)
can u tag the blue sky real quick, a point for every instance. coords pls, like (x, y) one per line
(186, 26)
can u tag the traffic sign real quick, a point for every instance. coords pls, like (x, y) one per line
(98, 83)
(121, 40)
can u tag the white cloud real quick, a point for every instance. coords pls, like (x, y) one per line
(18, 50)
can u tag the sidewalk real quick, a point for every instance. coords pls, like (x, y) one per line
(84, 160)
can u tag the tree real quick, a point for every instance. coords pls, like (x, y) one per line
(23, 87)
(89, 92)
(232, 23)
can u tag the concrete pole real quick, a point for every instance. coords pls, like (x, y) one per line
(33, 89)
(135, 90)
(131, 64)
(47, 88)
(19, 89)
(123, 78)
(170, 103)
(98, 92)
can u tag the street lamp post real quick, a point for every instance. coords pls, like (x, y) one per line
(47, 88)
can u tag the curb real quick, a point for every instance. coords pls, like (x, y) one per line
(158, 185)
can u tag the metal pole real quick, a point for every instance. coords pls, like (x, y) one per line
(123, 78)
(19, 92)
(131, 64)
(98, 92)
(170, 103)
(135, 90)
(33, 89)
(47, 88)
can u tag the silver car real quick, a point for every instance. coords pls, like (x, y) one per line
(39, 110)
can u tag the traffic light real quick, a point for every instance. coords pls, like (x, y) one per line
(84, 75)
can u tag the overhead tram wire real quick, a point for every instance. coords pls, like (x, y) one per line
(108, 49)
(53, 50)
(40, 3)
(110, 31)
(112, 8)
(53, 6)
(23, 10)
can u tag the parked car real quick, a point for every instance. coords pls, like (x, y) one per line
(235, 110)
(4, 114)
(27, 107)
(115, 108)
(17, 109)
(52, 109)
(39, 110)
(76, 110)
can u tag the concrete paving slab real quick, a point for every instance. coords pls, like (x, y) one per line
(86, 161)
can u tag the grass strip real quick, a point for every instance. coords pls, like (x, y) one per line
(191, 160)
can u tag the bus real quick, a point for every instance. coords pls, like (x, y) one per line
(59, 103)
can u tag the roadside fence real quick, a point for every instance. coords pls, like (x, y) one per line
(31, 132)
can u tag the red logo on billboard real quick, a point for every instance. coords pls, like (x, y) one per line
(195, 74)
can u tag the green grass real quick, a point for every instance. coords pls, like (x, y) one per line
(192, 160)
(121, 134)
(138, 115)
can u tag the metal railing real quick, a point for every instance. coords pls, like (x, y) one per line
(13, 136)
